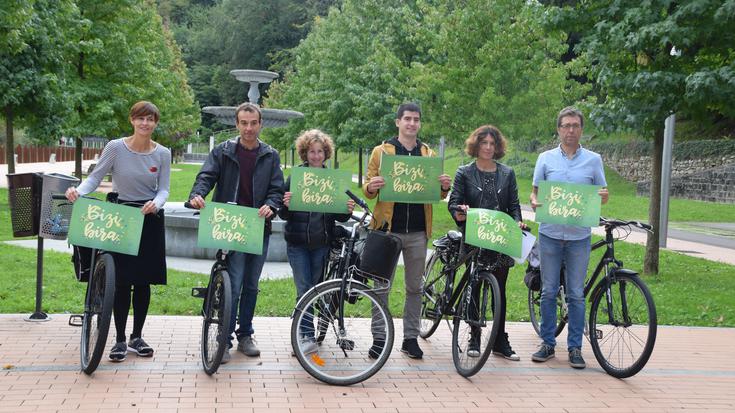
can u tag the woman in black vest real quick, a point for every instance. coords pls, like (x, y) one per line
(488, 184)
(308, 234)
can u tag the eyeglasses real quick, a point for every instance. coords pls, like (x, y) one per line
(570, 126)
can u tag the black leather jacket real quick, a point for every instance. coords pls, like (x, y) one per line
(467, 190)
(310, 229)
(221, 171)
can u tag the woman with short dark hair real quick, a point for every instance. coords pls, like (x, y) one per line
(141, 170)
(488, 184)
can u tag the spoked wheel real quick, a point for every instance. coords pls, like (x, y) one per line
(343, 357)
(534, 308)
(622, 325)
(216, 312)
(476, 325)
(330, 308)
(434, 283)
(97, 312)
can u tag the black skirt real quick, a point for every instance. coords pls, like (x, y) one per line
(149, 266)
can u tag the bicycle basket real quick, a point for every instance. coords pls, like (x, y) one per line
(379, 256)
(82, 259)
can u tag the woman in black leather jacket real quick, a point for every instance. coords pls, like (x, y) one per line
(308, 234)
(488, 184)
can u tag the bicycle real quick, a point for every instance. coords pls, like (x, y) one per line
(342, 332)
(98, 270)
(471, 303)
(216, 312)
(622, 313)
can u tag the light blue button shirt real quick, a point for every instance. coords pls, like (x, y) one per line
(585, 167)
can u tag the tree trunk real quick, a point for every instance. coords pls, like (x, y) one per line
(359, 167)
(10, 141)
(78, 157)
(650, 263)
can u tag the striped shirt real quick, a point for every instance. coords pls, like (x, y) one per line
(136, 176)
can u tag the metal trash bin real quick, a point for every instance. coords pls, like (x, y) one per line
(24, 198)
(55, 213)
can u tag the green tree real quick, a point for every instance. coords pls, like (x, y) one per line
(33, 48)
(125, 55)
(494, 62)
(651, 59)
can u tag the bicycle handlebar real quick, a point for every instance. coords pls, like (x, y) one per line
(613, 223)
(357, 200)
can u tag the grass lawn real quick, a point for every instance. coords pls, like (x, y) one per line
(688, 291)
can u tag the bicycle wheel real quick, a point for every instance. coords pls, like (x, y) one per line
(216, 312)
(343, 357)
(475, 326)
(97, 312)
(534, 309)
(622, 325)
(434, 283)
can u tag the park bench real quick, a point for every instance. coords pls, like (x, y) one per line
(89, 170)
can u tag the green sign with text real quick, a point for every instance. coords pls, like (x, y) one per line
(231, 227)
(493, 230)
(410, 179)
(106, 226)
(569, 204)
(319, 190)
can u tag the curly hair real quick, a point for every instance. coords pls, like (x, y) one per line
(472, 144)
(306, 139)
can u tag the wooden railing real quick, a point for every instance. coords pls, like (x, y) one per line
(30, 153)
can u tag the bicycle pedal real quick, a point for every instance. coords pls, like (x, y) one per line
(199, 292)
(75, 320)
(346, 344)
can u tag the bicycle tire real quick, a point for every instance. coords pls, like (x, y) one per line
(215, 326)
(99, 299)
(485, 324)
(343, 358)
(615, 342)
(434, 282)
(534, 310)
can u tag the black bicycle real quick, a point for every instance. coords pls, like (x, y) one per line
(96, 267)
(342, 332)
(216, 312)
(622, 319)
(473, 302)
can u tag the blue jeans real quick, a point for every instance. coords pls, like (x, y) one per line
(307, 266)
(576, 256)
(244, 272)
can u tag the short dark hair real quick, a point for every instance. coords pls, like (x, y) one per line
(472, 144)
(408, 107)
(570, 111)
(145, 108)
(249, 107)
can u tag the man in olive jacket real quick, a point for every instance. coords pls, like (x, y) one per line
(247, 171)
(410, 222)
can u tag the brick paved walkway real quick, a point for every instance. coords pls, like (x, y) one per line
(690, 369)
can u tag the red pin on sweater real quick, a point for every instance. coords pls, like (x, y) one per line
(153, 169)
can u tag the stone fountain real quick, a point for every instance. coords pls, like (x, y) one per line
(181, 223)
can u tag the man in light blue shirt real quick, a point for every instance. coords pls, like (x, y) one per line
(567, 244)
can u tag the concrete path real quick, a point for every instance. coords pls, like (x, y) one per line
(40, 373)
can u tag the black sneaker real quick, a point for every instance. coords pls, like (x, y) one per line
(544, 353)
(376, 349)
(118, 352)
(575, 359)
(140, 347)
(411, 348)
(503, 349)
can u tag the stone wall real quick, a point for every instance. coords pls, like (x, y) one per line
(706, 179)
(714, 185)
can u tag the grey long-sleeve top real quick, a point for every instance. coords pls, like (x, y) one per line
(135, 176)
